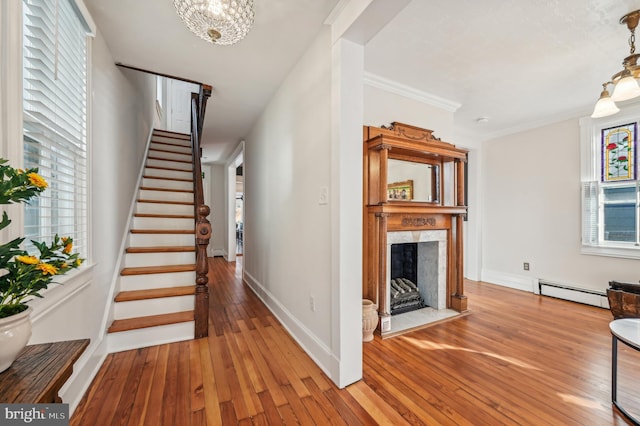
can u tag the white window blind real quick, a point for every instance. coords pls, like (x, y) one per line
(55, 116)
(590, 212)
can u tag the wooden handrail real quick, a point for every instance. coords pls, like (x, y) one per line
(202, 226)
(173, 77)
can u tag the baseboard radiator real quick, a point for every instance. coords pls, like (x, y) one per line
(573, 294)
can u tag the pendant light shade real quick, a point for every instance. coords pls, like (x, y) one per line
(605, 105)
(627, 88)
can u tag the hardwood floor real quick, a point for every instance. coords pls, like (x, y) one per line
(517, 359)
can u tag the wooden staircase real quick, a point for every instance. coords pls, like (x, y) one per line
(155, 295)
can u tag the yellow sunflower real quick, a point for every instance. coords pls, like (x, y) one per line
(47, 269)
(29, 260)
(37, 180)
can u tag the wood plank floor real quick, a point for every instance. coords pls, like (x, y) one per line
(517, 359)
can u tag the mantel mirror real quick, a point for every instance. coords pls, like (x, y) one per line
(412, 181)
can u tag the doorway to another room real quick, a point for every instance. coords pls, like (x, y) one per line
(239, 211)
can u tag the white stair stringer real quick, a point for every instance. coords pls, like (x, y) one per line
(157, 306)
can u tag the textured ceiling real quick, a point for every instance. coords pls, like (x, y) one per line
(520, 63)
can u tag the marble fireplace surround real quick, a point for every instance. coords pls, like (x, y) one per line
(432, 264)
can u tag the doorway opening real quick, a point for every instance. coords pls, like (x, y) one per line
(239, 211)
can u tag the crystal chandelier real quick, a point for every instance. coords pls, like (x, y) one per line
(217, 21)
(624, 82)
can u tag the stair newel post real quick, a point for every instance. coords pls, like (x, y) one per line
(203, 234)
(202, 225)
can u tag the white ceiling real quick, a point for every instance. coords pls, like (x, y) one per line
(520, 63)
(149, 34)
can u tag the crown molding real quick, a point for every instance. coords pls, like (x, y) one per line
(382, 83)
(573, 114)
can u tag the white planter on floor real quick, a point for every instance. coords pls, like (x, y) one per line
(369, 319)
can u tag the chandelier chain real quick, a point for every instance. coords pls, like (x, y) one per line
(632, 42)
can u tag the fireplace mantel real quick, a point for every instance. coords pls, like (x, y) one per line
(442, 208)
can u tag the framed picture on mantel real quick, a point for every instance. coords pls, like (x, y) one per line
(400, 191)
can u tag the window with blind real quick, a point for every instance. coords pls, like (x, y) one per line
(55, 38)
(610, 187)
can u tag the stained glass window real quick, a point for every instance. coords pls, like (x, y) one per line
(619, 153)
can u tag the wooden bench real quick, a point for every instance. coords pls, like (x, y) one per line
(39, 372)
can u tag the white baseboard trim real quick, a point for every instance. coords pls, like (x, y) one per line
(84, 371)
(518, 282)
(218, 252)
(317, 350)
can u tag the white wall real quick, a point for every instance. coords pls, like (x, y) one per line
(287, 250)
(381, 107)
(531, 211)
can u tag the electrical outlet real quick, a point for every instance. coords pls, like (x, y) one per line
(526, 266)
(312, 303)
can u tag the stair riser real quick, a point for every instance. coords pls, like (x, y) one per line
(158, 259)
(143, 308)
(126, 340)
(160, 138)
(167, 184)
(158, 208)
(152, 240)
(150, 281)
(169, 155)
(169, 164)
(167, 173)
(164, 147)
(148, 194)
(162, 223)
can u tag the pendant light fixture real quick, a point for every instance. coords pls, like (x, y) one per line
(624, 82)
(217, 21)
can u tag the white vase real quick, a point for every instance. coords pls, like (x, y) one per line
(369, 319)
(15, 332)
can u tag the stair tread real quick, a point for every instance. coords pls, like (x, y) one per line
(145, 200)
(165, 216)
(153, 188)
(160, 249)
(155, 293)
(162, 269)
(162, 231)
(150, 321)
(167, 178)
(177, 135)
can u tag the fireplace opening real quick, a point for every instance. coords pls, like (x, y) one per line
(405, 295)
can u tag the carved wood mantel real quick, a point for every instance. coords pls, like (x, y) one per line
(443, 209)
